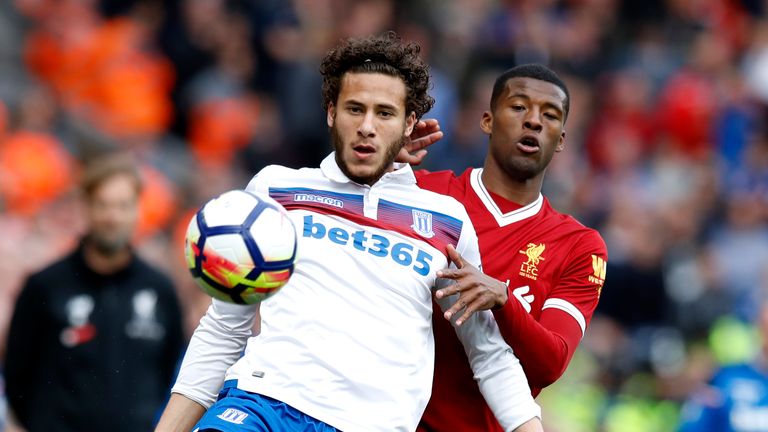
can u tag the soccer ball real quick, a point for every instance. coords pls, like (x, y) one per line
(241, 247)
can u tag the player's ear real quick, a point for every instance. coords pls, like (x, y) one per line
(486, 122)
(410, 123)
(561, 142)
(330, 114)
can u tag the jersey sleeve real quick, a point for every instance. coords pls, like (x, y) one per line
(497, 370)
(578, 289)
(221, 336)
(468, 244)
(566, 313)
(260, 182)
(216, 345)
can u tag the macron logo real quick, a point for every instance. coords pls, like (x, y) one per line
(319, 199)
(233, 416)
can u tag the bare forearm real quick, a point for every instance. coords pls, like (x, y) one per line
(180, 414)
(532, 425)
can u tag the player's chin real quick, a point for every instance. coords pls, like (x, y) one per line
(364, 176)
(364, 166)
(368, 172)
(523, 168)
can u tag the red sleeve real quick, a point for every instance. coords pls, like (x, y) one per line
(546, 347)
(438, 181)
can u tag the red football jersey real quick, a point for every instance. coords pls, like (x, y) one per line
(554, 268)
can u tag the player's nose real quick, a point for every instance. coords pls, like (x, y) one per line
(533, 120)
(366, 127)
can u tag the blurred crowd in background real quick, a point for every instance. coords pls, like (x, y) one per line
(666, 148)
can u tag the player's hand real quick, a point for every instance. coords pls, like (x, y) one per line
(477, 291)
(425, 133)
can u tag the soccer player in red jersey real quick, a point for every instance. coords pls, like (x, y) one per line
(542, 271)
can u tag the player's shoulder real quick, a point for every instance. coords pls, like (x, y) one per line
(563, 220)
(424, 175)
(440, 181)
(278, 174)
(281, 171)
(567, 225)
(438, 202)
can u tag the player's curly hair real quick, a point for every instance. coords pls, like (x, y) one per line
(386, 54)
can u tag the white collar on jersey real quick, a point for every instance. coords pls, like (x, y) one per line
(503, 219)
(403, 174)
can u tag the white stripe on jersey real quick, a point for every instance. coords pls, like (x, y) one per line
(503, 219)
(568, 308)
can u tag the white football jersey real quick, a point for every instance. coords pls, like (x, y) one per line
(349, 339)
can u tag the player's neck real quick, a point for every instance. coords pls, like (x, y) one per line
(521, 192)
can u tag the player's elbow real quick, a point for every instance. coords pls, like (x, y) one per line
(545, 366)
(545, 373)
(545, 379)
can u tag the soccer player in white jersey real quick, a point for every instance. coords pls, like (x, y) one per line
(347, 344)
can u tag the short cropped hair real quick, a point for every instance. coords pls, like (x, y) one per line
(535, 71)
(101, 168)
(386, 54)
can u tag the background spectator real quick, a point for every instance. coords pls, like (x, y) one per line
(95, 336)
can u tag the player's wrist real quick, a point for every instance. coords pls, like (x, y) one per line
(502, 298)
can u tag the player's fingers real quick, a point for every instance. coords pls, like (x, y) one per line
(448, 273)
(467, 314)
(403, 156)
(455, 256)
(427, 125)
(430, 122)
(416, 158)
(455, 308)
(426, 140)
(420, 155)
(448, 291)
(460, 286)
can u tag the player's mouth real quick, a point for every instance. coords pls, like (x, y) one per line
(363, 150)
(528, 144)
